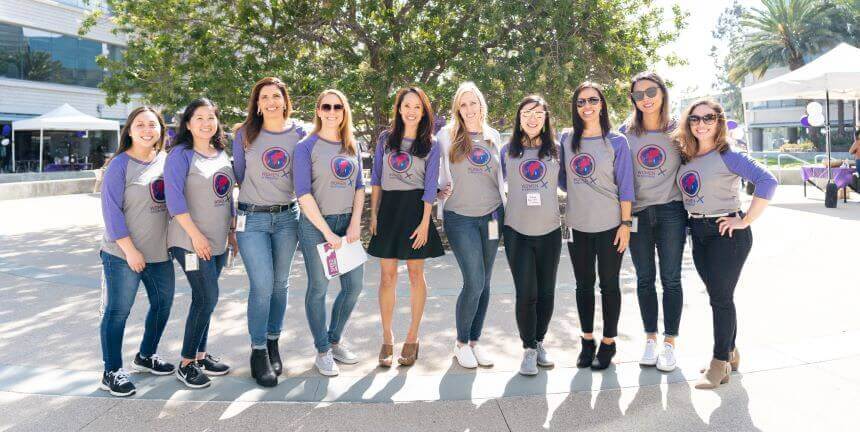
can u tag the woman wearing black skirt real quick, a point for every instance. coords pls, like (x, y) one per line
(404, 179)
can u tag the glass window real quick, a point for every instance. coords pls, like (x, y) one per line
(10, 51)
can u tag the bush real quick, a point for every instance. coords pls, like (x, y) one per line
(803, 146)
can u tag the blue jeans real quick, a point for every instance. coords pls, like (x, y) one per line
(204, 297)
(122, 284)
(662, 227)
(350, 284)
(268, 245)
(475, 254)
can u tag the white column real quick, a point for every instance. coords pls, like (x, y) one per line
(41, 147)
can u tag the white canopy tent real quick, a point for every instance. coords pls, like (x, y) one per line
(64, 118)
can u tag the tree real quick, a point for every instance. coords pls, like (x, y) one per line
(178, 49)
(729, 31)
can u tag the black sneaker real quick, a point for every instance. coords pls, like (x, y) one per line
(192, 376)
(213, 366)
(154, 365)
(117, 383)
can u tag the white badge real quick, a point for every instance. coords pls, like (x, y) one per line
(533, 199)
(493, 230)
(569, 234)
(192, 263)
(240, 223)
(635, 227)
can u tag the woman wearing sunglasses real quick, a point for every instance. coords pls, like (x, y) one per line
(530, 163)
(404, 179)
(328, 180)
(598, 177)
(709, 180)
(660, 221)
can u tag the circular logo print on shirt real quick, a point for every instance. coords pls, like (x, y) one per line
(690, 183)
(399, 161)
(532, 170)
(582, 165)
(342, 167)
(479, 156)
(221, 184)
(651, 157)
(275, 159)
(156, 191)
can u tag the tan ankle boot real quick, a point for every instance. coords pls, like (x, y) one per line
(718, 373)
(735, 359)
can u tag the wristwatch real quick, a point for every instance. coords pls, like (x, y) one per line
(627, 223)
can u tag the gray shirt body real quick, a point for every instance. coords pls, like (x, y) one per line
(334, 176)
(655, 166)
(476, 182)
(529, 176)
(592, 195)
(401, 171)
(269, 169)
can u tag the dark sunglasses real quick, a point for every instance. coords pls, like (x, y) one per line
(329, 107)
(709, 119)
(594, 100)
(649, 92)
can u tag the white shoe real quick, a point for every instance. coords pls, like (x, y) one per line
(666, 360)
(481, 356)
(649, 357)
(341, 353)
(543, 358)
(325, 364)
(465, 356)
(529, 365)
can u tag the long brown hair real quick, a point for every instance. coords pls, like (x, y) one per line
(253, 123)
(423, 140)
(683, 136)
(348, 144)
(461, 145)
(634, 123)
(125, 135)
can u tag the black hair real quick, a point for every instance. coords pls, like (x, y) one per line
(423, 138)
(547, 142)
(184, 136)
(579, 124)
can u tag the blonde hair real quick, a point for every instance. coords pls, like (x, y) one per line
(461, 145)
(688, 144)
(347, 137)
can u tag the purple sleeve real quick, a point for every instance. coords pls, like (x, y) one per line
(503, 155)
(751, 171)
(359, 182)
(378, 155)
(175, 173)
(431, 173)
(562, 172)
(239, 157)
(302, 166)
(623, 168)
(113, 192)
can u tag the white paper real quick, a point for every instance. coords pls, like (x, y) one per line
(343, 260)
(533, 199)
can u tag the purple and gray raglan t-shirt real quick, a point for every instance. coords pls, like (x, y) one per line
(202, 187)
(330, 176)
(476, 181)
(527, 175)
(265, 170)
(597, 179)
(655, 166)
(133, 205)
(402, 171)
(711, 182)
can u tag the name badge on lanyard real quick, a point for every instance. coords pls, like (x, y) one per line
(533, 199)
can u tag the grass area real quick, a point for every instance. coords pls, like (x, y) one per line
(771, 162)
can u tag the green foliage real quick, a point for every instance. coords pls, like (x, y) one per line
(802, 146)
(180, 49)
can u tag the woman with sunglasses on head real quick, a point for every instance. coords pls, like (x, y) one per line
(530, 163)
(473, 209)
(199, 179)
(328, 179)
(598, 177)
(134, 248)
(404, 179)
(268, 218)
(710, 181)
(659, 215)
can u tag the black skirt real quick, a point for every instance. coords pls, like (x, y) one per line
(399, 214)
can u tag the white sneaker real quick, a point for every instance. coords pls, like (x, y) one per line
(529, 365)
(325, 364)
(341, 353)
(666, 360)
(649, 357)
(481, 356)
(543, 358)
(465, 356)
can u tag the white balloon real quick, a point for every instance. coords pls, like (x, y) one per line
(737, 133)
(816, 119)
(814, 108)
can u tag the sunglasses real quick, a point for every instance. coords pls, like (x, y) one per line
(329, 107)
(649, 92)
(533, 113)
(708, 119)
(594, 100)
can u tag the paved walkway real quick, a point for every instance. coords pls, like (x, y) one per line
(799, 333)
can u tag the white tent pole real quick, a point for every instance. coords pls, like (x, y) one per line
(856, 114)
(827, 131)
(14, 168)
(41, 147)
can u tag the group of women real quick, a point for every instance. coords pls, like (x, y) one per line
(301, 185)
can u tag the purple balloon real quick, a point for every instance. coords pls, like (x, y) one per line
(171, 133)
(6, 130)
(731, 124)
(804, 121)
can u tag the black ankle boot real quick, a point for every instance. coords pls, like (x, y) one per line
(586, 356)
(261, 369)
(274, 356)
(604, 356)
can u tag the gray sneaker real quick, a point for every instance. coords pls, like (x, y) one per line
(325, 364)
(342, 354)
(543, 358)
(529, 365)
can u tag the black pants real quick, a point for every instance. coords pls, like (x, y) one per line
(719, 261)
(534, 266)
(584, 250)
